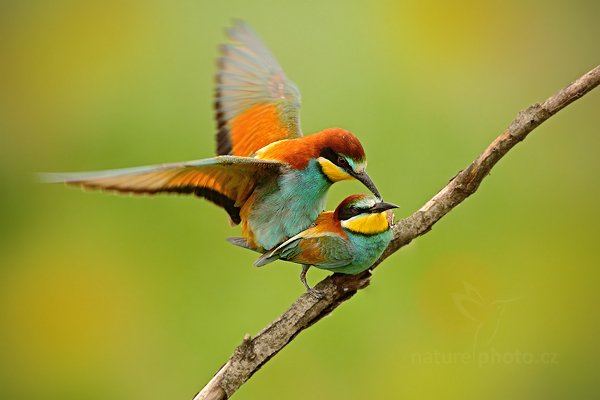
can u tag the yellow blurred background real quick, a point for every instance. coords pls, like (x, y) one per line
(107, 297)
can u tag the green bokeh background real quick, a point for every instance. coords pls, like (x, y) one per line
(107, 297)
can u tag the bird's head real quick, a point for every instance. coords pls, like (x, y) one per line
(365, 214)
(342, 157)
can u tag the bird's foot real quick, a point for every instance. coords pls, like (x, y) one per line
(312, 291)
(317, 294)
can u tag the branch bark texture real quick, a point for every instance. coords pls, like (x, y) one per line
(254, 352)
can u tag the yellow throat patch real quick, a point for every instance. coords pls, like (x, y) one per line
(333, 172)
(369, 224)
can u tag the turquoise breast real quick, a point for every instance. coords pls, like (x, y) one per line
(289, 205)
(367, 249)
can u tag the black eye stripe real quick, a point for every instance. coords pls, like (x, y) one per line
(335, 158)
(329, 154)
(349, 212)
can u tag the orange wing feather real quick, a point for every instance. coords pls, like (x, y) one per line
(255, 103)
(226, 181)
(255, 128)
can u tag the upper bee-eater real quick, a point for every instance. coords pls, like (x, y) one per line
(348, 240)
(267, 175)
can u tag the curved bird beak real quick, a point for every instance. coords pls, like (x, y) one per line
(382, 206)
(365, 180)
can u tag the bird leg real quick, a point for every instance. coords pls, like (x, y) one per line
(312, 291)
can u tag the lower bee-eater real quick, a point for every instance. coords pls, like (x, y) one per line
(348, 240)
(268, 177)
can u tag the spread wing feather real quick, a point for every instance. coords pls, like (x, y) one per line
(256, 104)
(226, 181)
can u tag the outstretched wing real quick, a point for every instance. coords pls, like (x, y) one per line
(226, 181)
(325, 250)
(255, 104)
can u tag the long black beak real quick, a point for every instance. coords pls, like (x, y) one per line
(382, 206)
(364, 178)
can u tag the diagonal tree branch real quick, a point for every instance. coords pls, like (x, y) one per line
(253, 353)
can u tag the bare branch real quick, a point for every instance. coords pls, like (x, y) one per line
(253, 353)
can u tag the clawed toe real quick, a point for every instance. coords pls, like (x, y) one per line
(317, 294)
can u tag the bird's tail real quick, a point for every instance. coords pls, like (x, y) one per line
(267, 258)
(241, 242)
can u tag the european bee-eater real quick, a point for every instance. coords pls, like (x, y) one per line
(348, 240)
(268, 176)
